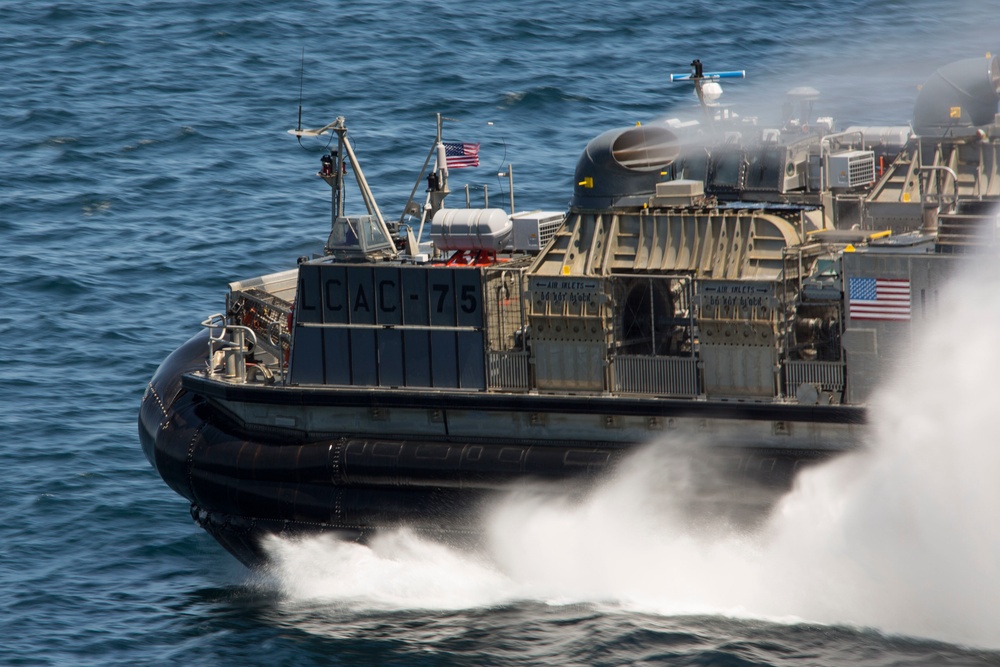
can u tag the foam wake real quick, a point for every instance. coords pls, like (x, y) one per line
(902, 537)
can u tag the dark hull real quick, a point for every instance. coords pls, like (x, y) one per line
(246, 482)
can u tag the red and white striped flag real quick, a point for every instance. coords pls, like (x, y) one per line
(879, 299)
(460, 155)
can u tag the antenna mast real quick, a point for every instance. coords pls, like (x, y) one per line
(706, 85)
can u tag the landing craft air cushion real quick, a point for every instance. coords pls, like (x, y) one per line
(739, 286)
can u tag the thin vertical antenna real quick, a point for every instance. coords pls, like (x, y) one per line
(302, 74)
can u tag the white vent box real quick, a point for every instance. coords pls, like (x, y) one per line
(850, 169)
(534, 229)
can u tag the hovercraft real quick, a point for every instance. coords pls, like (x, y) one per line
(744, 286)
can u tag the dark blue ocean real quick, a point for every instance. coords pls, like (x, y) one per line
(144, 163)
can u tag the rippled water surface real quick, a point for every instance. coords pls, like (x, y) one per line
(146, 163)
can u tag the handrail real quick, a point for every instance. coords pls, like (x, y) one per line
(210, 324)
(234, 346)
(954, 182)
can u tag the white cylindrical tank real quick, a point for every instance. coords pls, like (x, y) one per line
(470, 229)
(888, 136)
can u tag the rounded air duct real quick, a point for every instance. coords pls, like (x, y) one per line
(624, 162)
(958, 97)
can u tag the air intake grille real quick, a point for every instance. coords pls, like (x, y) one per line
(851, 169)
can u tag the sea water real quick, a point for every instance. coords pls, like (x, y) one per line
(146, 163)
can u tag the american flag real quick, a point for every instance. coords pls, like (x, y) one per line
(461, 155)
(879, 299)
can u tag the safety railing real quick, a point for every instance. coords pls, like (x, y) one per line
(228, 352)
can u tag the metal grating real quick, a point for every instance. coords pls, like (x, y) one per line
(829, 375)
(659, 376)
(546, 230)
(508, 371)
(862, 171)
(850, 169)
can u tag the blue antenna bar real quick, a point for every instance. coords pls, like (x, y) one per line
(734, 74)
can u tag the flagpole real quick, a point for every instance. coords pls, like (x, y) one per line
(435, 197)
(441, 168)
(510, 185)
